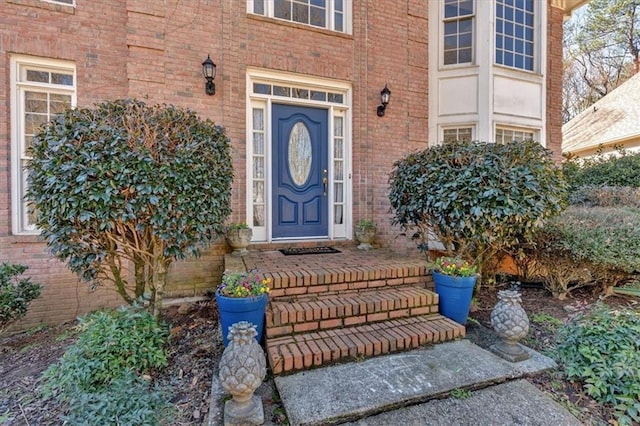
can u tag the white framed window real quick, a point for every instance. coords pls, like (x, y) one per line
(40, 90)
(514, 134)
(458, 21)
(69, 2)
(515, 35)
(333, 15)
(457, 134)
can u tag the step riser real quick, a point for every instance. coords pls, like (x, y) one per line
(301, 287)
(304, 314)
(294, 353)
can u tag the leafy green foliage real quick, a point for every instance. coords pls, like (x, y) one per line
(476, 198)
(602, 350)
(110, 344)
(588, 246)
(15, 294)
(127, 400)
(126, 182)
(623, 170)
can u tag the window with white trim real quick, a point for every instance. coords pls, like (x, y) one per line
(338, 168)
(69, 2)
(513, 134)
(330, 14)
(259, 162)
(41, 89)
(460, 134)
(515, 33)
(458, 31)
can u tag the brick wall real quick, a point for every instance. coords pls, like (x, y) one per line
(153, 50)
(555, 18)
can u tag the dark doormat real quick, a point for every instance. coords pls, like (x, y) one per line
(308, 250)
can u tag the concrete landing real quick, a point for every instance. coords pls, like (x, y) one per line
(354, 390)
(512, 403)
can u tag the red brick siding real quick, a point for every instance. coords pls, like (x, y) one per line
(554, 80)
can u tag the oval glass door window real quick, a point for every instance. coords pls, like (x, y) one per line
(299, 153)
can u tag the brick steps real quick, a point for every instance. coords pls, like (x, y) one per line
(296, 352)
(287, 315)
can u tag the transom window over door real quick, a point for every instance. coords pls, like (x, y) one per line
(41, 90)
(330, 14)
(515, 33)
(458, 31)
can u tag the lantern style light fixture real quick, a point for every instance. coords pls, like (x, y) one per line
(209, 72)
(385, 94)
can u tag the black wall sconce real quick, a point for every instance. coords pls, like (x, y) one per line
(209, 72)
(385, 94)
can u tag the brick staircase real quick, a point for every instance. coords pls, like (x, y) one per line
(333, 308)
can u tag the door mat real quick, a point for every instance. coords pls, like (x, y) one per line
(308, 250)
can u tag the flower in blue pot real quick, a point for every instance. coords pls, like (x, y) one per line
(454, 279)
(242, 296)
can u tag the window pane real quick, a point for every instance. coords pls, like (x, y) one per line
(337, 171)
(337, 126)
(318, 96)
(35, 102)
(264, 89)
(300, 93)
(339, 24)
(281, 91)
(59, 103)
(466, 7)
(335, 98)
(258, 119)
(282, 9)
(338, 188)
(338, 5)
(318, 17)
(258, 144)
(301, 13)
(337, 214)
(337, 149)
(258, 167)
(258, 7)
(464, 56)
(38, 76)
(64, 79)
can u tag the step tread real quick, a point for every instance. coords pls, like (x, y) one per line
(307, 350)
(306, 313)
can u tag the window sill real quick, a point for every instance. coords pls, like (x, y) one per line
(56, 7)
(291, 24)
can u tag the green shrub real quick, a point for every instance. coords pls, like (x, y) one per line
(130, 184)
(110, 344)
(606, 196)
(602, 350)
(15, 294)
(588, 246)
(127, 400)
(623, 170)
(477, 198)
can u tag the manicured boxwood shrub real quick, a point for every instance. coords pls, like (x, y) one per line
(129, 187)
(601, 349)
(478, 199)
(15, 294)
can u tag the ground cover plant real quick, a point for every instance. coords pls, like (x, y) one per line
(103, 377)
(477, 199)
(15, 294)
(601, 350)
(122, 190)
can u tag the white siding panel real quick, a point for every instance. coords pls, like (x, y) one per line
(517, 97)
(458, 95)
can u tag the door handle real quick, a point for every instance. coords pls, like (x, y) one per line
(324, 182)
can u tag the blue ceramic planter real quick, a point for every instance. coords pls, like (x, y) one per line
(454, 294)
(236, 309)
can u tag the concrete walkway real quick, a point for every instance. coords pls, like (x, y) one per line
(413, 388)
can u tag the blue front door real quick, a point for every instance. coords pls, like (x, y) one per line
(300, 158)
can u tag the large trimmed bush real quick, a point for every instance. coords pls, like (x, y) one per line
(124, 189)
(477, 198)
(15, 294)
(588, 246)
